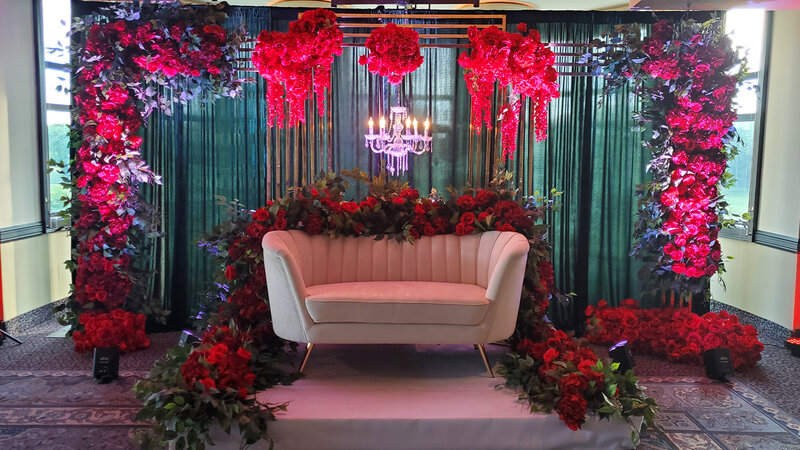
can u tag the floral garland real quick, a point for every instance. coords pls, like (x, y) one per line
(119, 66)
(572, 381)
(393, 52)
(682, 73)
(514, 59)
(293, 62)
(677, 334)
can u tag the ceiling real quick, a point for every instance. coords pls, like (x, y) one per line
(485, 4)
(552, 5)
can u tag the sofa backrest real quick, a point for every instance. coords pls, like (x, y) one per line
(447, 258)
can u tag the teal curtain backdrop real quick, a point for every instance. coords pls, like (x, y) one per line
(226, 149)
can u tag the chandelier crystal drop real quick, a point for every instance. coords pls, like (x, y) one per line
(399, 139)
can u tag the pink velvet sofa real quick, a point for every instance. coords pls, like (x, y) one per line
(444, 289)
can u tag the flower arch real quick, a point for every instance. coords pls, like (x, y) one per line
(123, 66)
(686, 74)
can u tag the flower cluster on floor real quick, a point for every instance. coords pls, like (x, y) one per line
(675, 333)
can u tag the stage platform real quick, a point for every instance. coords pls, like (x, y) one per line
(383, 397)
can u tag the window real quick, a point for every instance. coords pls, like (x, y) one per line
(54, 21)
(748, 31)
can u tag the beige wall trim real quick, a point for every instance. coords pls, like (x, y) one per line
(24, 231)
(777, 241)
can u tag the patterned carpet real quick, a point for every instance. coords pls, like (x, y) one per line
(48, 399)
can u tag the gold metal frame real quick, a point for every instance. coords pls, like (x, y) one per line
(309, 347)
(485, 361)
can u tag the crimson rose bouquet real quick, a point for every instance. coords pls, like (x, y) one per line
(393, 52)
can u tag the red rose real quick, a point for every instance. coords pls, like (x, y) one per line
(230, 273)
(411, 194)
(466, 202)
(463, 229)
(261, 215)
(572, 384)
(550, 355)
(572, 410)
(468, 218)
(486, 198)
(313, 224)
(349, 207)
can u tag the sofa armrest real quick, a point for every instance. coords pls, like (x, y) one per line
(286, 287)
(505, 287)
(509, 268)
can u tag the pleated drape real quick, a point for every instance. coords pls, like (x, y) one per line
(226, 149)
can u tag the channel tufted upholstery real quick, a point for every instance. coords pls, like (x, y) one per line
(444, 289)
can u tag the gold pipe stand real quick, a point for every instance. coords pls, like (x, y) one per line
(485, 361)
(309, 346)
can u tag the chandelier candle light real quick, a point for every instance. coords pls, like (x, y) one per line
(396, 143)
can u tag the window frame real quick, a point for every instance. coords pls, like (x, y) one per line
(747, 233)
(52, 221)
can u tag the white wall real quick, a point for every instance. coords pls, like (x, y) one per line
(33, 272)
(762, 280)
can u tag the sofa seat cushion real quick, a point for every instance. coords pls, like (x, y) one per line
(397, 302)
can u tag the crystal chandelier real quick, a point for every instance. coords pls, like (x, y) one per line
(398, 140)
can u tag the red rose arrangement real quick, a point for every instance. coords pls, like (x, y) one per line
(686, 75)
(293, 62)
(393, 52)
(699, 121)
(119, 66)
(514, 59)
(178, 49)
(221, 363)
(677, 334)
(118, 329)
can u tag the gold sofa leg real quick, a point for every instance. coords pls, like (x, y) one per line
(485, 361)
(309, 346)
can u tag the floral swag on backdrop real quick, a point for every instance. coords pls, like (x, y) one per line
(124, 59)
(520, 62)
(295, 62)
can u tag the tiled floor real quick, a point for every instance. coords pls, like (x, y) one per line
(697, 413)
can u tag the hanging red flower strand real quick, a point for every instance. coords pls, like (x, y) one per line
(514, 59)
(393, 52)
(292, 62)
